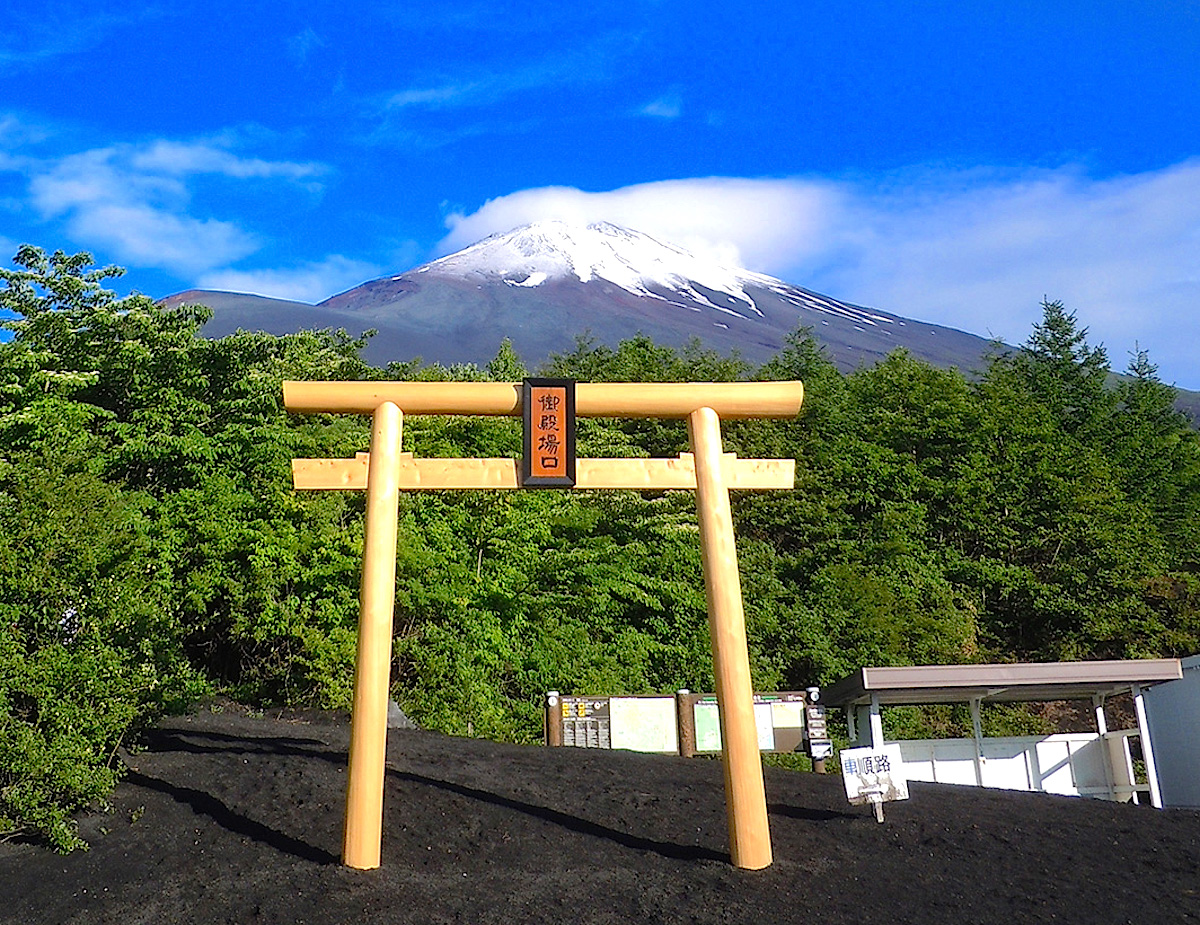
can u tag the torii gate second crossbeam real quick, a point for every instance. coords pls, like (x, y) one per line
(707, 469)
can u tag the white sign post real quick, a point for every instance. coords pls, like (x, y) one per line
(874, 775)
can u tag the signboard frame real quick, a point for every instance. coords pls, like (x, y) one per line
(773, 736)
(548, 422)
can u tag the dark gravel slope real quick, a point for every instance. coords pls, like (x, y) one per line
(229, 818)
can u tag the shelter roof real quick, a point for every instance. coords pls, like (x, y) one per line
(1017, 682)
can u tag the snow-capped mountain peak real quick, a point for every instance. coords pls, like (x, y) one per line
(543, 286)
(534, 254)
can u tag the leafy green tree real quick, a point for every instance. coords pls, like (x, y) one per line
(1063, 373)
(1156, 455)
(89, 649)
(151, 545)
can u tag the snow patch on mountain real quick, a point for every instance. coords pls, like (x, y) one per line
(533, 279)
(635, 262)
(542, 252)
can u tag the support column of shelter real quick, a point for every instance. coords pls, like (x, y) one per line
(1105, 751)
(977, 734)
(749, 836)
(876, 722)
(1139, 705)
(363, 833)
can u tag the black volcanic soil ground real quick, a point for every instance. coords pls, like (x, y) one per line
(225, 817)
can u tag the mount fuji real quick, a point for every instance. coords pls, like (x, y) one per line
(544, 284)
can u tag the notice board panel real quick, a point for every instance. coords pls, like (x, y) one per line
(779, 719)
(685, 723)
(644, 724)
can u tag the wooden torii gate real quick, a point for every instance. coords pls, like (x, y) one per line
(385, 471)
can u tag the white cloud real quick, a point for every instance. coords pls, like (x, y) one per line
(150, 237)
(312, 282)
(976, 250)
(182, 158)
(429, 97)
(980, 253)
(134, 201)
(665, 107)
(756, 223)
(33, 35)
(592, 62)
(16, 131)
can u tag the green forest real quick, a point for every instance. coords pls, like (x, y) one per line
(153, 552)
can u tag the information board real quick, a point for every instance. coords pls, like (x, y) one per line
(778, 718)
(640, 724)
(708, 726)
(586, 722)
(644, 724)
(816, 732)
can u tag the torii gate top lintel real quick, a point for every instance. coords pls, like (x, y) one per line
(730, 400)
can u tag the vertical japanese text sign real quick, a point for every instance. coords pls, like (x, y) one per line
(548, 410)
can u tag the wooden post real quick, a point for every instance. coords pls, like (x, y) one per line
(372, 673)
(745, 796)
(685, 722)
(553, 719)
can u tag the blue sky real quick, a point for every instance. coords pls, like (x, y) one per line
(952, 162)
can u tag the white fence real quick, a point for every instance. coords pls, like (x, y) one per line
(1072, 764)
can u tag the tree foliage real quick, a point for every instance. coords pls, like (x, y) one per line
(151, 548)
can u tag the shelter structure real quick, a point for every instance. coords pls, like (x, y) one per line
(1173, 712)
(1089, 764)
(707, 470)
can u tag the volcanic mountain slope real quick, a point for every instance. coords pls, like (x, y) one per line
(544, 284)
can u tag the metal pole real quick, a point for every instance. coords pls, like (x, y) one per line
(876, 723)
(977, 731)
(1105, 751)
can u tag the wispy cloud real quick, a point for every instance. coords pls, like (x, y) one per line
(311, 282)
(301, 45)
(135, 201)
(34, 34)
(669, 106)
(971, 249)
(402, 114)
(487, 88)
(176, 158)
(16, 132)
(436, 97)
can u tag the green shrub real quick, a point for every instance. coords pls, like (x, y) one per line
(89, 649)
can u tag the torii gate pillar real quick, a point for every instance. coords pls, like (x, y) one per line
(363, 833)
(745, 798)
